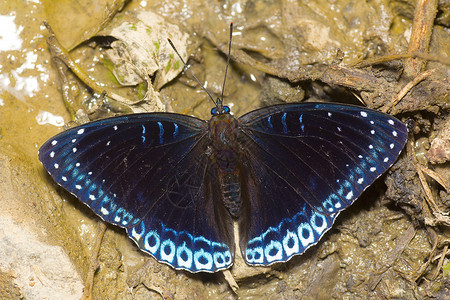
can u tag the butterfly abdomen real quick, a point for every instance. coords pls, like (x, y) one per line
(223, 129)
(231, 191)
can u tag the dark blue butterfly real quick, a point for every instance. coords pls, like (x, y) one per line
(176, 182)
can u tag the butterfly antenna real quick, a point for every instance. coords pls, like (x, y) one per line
(186, 67)
(228, 59)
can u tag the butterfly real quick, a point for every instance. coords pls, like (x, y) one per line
(176, 183)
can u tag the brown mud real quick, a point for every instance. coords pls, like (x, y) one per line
(393, 55)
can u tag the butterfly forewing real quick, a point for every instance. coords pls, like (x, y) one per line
(145, 172)
(309, 161)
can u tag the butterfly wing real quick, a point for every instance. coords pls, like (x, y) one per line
(305, 164)
(148, 173)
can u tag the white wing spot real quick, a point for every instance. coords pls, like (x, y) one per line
(394, 133)
(92, 197)
(54, 142)
(115, 127)
(372, 131)
(74, 149)
(104, 211)
(386, 159)
(52, 154)
(364, 114)
(339, 128)
(370, 146)
(64, 178)
(391, 146)
(349, 195)
(117, 219)
(74, 140)
(372, 122)
(373, 169)
(89, 173)
(80, 131)
(360, 180)
(108, 143)
(77, 164)
(330, 114)
(391, 122)
(56, 166)
(293, 238)
(78, 187)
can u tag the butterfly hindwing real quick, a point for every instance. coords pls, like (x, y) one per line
(145, 172)
(326, 156)
(198, 235)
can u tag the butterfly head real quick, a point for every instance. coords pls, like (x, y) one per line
(220, 109)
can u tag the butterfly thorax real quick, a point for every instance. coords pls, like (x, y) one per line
(223, 130)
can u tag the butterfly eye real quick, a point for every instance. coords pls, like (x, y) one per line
(215, 111)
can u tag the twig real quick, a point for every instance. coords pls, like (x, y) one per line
(387, 58)
(404, 240)
(419, 272)
(407, 88)
(435, 176)
(93, 264)
(441, 262)
(61, 53)
(426, 189)
(422, 28)
(230, 280)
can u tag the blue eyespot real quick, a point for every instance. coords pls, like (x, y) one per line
(216, 112)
